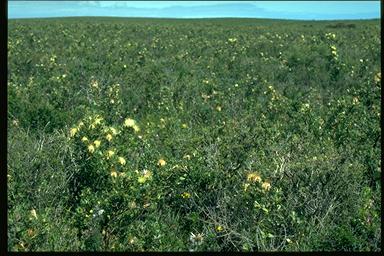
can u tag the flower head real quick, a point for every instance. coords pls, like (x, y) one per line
(246, 185)
(73, 132)
(113, 130)
(121, 160)
(253, 177)
(109, 137)
(97, 143)
(136, 128)
(266, 185)
(146, 175)
(129, 122)
(98, 120)
(186, 195)
(161, 162)
(110, 153)
(84, 139)
(33, 213)
(91, 148)
(114, 174)
(219, 228)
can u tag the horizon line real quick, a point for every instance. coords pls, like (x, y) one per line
(182, 18)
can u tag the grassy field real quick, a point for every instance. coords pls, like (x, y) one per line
(193, 135)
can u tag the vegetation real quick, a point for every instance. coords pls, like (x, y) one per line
(193, 135)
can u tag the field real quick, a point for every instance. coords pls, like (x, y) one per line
(193, 135)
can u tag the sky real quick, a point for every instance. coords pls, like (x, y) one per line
(298, 10)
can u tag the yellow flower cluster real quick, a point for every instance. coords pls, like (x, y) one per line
(121, 160)
(254, 177)
(91, 148)
(130, 123)
(73, 132)
(334, 54)
(97, 143)
(161, 162)
(97, 121)
(186, 195)
(110, 153)
(108, 137)
(330, 36)
(219, 228)
(266, 185)
(145, 175)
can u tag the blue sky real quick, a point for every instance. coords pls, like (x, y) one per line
(302, 10)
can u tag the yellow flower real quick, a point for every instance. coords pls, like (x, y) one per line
(253, 177)
(184, 126)
(97, 143)
(378, 77)
(141, 179)
(129, 122)
(98, 120)
(114, 174)
(145, 176)
(266, 185)
(73, 132)
(113, 130)
(84, 139)
(33, 213)
(91, 148)
(110, 153)
(218, 108)
(333, 48)
(136, 128)
(219, 228)
(246, 185)
(186, 195)
(161, 162)
(109, 137)
(121, 160)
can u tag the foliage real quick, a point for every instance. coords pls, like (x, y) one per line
(193, 135)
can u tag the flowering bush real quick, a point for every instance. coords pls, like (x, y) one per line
(216, 135)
